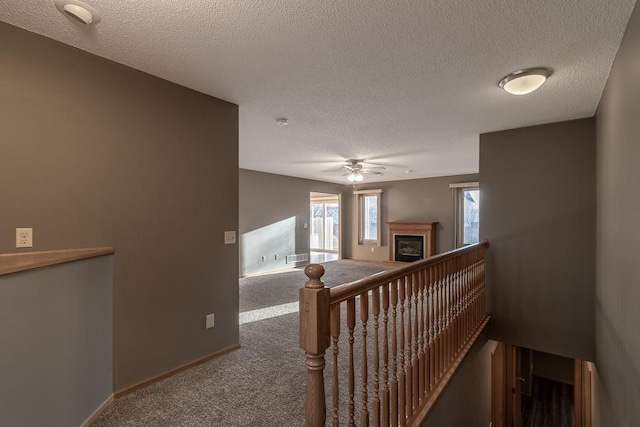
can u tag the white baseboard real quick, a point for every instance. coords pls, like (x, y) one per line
(97, 412)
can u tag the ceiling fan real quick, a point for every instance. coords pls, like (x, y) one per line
(354, 170)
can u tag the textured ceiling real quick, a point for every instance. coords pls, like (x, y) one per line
(406, 84)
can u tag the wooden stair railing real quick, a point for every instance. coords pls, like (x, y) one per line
(426, 315)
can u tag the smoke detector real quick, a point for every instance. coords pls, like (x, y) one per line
(79, 11)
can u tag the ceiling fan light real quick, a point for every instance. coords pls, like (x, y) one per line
(524, 81)
(355, 177)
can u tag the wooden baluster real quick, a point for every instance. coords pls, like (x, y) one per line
(467, 299)
(465, 294)
(445, 280)
(483, 305)
(476, 291)
(364, 317)
(416, 334)
(458, 322)
(479, 313)
(436, 317)
(401, 376)
(431, 311)
(385, 356)
(478, 316)
(424, 341)
(335, 335)
(470, 298)
(465, 281)
(375, 300)
(454, 307)
(482, 308)
(445, 315)
(408, 370)
(468, 302)
(351, 323)
(314, 340)
(463, 314)
(394, 351)
(441, 307)
(469, 292)
(450, 310)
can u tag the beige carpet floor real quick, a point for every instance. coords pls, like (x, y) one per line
(261, 384)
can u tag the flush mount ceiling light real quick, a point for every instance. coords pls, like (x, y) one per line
(79, 11)
(355, 177)
(525, 81)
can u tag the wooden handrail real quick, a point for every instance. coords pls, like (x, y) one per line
(352, 289)
(425, 317)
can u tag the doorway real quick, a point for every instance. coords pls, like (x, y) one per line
(533, 388)
(325, 227)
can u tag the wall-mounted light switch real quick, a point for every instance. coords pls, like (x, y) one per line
(229, 237)
(210, 321)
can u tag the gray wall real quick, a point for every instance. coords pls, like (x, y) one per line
(416, 200)
(618, 269)
(538, 212)
(467, 399)
(56, 365)
(98, 154)
(273, 211)
(554, 367)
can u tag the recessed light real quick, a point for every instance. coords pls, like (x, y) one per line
(79, 11)
(282, 122)
(525, 81)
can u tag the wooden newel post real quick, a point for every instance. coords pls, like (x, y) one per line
(314, 340)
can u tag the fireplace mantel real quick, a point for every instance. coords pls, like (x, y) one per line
(426, 229)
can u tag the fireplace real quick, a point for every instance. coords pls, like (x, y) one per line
(408, 248)
(411, 241)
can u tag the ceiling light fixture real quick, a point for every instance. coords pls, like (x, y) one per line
(79, 11)
(355, 177)
(525, 81)
(282, 122)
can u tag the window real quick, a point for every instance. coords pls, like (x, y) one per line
(368, 202)
(467, 213)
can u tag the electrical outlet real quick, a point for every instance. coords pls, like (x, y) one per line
(210, 320)
(24, 237)
(373, 249)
